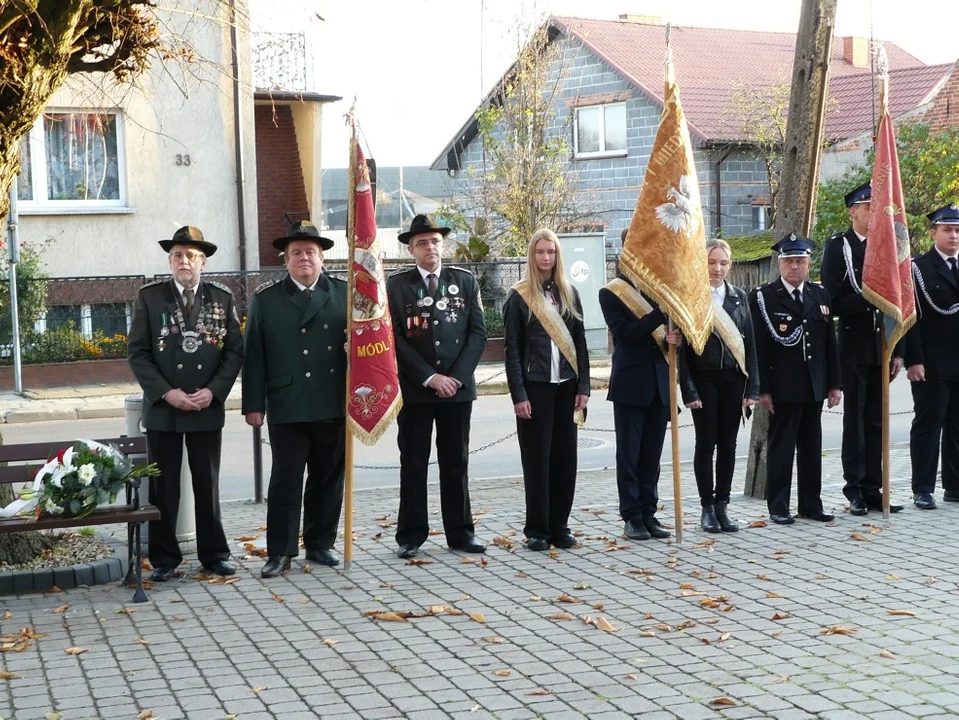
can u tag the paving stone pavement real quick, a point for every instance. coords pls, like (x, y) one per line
(759, 618)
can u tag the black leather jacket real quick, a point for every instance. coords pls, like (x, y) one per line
(716, 356)
(528, 349)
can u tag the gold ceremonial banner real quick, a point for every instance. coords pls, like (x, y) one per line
(665, 249)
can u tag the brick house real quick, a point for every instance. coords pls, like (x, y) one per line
(610, 102)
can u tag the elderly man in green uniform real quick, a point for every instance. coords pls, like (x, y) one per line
(294, 376)
(185, 349)
(440, 335)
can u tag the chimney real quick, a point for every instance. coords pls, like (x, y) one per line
(855, 51)
(641, 19)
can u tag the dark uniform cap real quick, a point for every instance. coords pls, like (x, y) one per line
(303, 230)
(189, 235)
(792, 246)
(946, 215)
(422, 224)
(861, 194)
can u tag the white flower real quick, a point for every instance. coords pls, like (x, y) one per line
(49, 507)
(86, 473)
(67, 461)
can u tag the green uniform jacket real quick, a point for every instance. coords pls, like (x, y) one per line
(446, 336)
(159, 362)
(295, 368)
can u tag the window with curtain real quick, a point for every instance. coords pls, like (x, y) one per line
(600, 130)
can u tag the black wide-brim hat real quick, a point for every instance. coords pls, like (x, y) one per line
(189, 235)
(422, 224)
(303, 230)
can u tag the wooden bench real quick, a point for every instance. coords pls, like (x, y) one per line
(134, 514)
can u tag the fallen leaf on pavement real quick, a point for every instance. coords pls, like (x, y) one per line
(560, 616)
(893, 577)
(246, 538)
(540, 691)
(773, 596)
(75, 650)
(859, 537)
(724, 637)
(605, 625)
(6, 675)
(504, 543)
(414, 561)
(495, 639)
(385, 616)
(564, 598)
(145, 715)
(278, 598)
(467, 560)
(257, 690)
(62, 609)
(757, 524)
(124, 611)
(725, 701)
(477, 617)
(7, 615)
(141, 641)
(886, 654)
(330, 642)
(501, 673)
(782, 616)
(907, 613)
(55, 589)
(647, 633)
(630, 676)
(837, 630)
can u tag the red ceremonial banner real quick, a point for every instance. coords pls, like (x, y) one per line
(373, 395)
(887, 268)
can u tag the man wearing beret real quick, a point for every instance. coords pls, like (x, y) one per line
(932, 363)
(294, 377)
(440, 334)
(860, 353)
(798, 369)
(185, 349)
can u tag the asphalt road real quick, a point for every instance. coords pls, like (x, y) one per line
(494, 447)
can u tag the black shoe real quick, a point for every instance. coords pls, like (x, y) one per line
(537, 544)
(276, 566)
(635, 531)
(925, 501)
(948, 496)
(709, 521)
(820, 517)
(407, 551)
(564, 540)
(162, 573)
(877, 507)
(220, 567)
(725, 523)
(323, 556)
(655, 529)
(782, 519)
(470, 545)
(857, 507)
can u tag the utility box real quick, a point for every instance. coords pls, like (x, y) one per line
(584, 258)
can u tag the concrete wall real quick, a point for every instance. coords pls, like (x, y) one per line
(173, 110)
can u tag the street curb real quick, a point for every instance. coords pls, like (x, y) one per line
(28, 416)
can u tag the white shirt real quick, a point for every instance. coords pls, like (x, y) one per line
(945, 257)
(425, 273)
(180, 289)
(790, 288)
(718, 293)
(301, 286)
(862, 238)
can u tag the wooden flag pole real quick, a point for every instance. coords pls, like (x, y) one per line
(674, 429)
(348, 439)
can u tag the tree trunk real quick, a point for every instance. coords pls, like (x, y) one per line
(18, 547)
(800, 173)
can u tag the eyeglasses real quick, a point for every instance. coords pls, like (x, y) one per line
(426, 242)
(190, 257)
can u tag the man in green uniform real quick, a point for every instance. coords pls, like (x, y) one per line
(440, 334)
(294, 376)
(185, 349)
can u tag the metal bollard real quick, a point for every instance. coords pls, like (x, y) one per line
(186, 516)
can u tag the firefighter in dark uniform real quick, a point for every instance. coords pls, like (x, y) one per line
(860, 353)
(185, 349)
(440, 335)
(294, 377)
(932, 363)
(798, 369)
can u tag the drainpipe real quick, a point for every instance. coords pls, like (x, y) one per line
(718, 212)
(238, 141)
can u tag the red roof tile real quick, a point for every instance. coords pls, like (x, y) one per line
(710, 63)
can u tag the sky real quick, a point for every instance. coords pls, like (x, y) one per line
(418, 69)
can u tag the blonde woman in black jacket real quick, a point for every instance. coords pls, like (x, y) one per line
(547, 368)
(719, 386)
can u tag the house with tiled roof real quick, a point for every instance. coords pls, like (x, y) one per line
(611, 99)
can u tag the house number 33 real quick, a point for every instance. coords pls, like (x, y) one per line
(183, 160)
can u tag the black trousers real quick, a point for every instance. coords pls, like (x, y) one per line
(640, 432)
(320, 449)
(203, 455)
(414, 436)
(717, 428)
(936, 405)
(547, 446)
(795, 429)
(862, 432)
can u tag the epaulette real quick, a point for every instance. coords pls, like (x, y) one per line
(218, 286)
(833, 237)
(264, 286)
(155, 282)
(461, 269)
(337, 278)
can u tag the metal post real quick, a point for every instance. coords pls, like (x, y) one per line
(14, 250)
(257, 466)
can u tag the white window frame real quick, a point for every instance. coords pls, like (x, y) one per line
(38, 161)
(602, 152)
(760, 214)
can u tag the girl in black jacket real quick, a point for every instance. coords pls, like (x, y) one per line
(547, 368)
(718, 391)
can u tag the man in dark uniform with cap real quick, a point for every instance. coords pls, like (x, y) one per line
(440, 335)
(798, 369)
(294, 377)
(185, 349)
(932, 363)
(860, 353)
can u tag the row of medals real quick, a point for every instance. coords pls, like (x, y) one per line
(208, 320)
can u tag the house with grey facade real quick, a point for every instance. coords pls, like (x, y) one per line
(611, 98)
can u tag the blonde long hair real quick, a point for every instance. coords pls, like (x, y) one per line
(534, 278)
